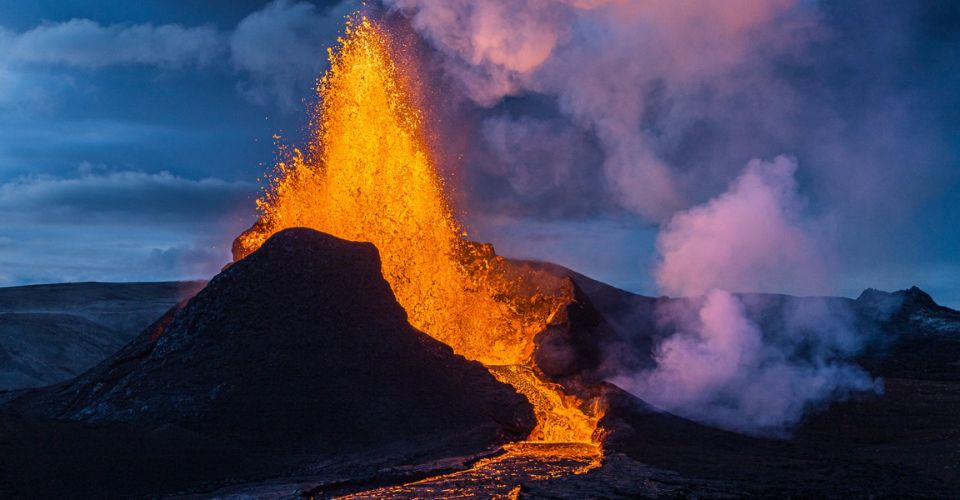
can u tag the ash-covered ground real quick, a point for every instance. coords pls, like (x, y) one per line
(295, 373)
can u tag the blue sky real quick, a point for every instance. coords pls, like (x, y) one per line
(133, 134)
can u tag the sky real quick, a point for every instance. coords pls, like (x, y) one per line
(133, 135)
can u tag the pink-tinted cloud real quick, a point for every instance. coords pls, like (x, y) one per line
(601, 60)
(752, 238)
(719, 366)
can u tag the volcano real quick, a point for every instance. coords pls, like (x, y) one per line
(360, 344)
(296, 371)
(298, 348)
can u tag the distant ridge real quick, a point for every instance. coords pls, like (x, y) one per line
(52, 332)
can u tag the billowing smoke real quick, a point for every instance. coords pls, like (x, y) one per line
(719, 365)
(752, 238)
(651, 108)
(666, 100)
(614, 68)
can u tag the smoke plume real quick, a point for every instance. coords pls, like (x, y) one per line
(651, 108)
(752, 238)
(665, 100)
(613, 67)
(720, 366)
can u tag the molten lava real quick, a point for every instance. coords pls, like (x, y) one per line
(368, 175)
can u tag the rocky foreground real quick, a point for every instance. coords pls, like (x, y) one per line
(294, 373)
(293, 357)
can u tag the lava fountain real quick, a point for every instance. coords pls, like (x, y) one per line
(368, 175)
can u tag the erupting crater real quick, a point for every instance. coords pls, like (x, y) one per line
(369, 175)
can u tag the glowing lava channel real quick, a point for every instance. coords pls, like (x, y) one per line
(368, 175)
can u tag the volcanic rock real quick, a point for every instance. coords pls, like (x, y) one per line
(300, 346)
(571, 346)
(921, 339)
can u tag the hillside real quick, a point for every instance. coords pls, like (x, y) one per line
(50, 333)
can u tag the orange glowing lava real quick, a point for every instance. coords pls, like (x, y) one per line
(368, 175)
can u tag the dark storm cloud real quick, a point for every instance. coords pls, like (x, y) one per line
(527, 160)
(95, 254)
(118, 226)
(121, 197)
(283, 48)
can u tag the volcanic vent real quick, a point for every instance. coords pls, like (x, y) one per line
(368, 175)
(300, 346)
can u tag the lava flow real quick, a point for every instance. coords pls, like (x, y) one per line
(368, 175)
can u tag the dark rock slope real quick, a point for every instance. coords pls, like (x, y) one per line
(300, 347)
(921, 339)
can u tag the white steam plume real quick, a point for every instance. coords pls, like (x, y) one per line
(719, 366)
